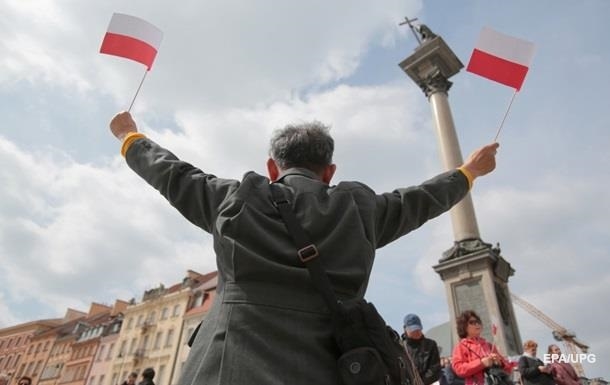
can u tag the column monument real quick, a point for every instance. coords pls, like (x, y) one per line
(474, 273)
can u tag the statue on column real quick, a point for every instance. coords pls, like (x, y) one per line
(425, 33)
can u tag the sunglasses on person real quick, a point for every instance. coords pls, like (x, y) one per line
(474, 322)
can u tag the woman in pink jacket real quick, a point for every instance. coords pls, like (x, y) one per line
(473, 354)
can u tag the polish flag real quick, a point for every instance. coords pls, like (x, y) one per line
(132, 38)
(501, 58)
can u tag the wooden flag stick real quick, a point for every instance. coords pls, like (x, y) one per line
(138, 90)
(505, 115)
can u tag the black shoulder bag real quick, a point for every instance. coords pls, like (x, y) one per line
(371, 352)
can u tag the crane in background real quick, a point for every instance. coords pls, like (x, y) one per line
(559, 332)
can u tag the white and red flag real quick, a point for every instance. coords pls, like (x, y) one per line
(132, 38)
(501, 58)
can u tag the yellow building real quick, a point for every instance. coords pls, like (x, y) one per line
(153, 329)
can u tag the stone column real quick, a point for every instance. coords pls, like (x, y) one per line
(474, 273)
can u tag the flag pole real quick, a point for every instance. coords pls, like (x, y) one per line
(138, 90)
(505, 115)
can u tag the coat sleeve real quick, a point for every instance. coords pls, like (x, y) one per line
(527, 371)
(194, 193)
(406, 209)
(465, 364)
(433, 372)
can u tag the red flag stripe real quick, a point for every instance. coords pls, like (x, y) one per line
(128, 47)
(497, 69)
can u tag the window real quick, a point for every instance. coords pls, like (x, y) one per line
(157, 344)
(101, 352)
(129, 323)
(176, 312)
(132, 346)
(198, 299)
(30, 349)
(80, 372)
(164, 313)
(159, 373)
(51, 371)
(101, 381)
(168, 339)
(37, 368)
(109, 355)
(91, 380)
(140, 317)
(122, 349)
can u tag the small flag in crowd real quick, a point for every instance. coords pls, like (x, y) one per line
(132, 38)
(501, 58)
(494, 325)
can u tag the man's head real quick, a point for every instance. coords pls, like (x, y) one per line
(305, 145)
(148, 373)
(25, 380)
(531, 347)
(412, 325)
(131, 379)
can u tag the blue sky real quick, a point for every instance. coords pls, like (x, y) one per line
(76, 225)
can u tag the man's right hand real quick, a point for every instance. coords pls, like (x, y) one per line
(122, 124)
(482, 161)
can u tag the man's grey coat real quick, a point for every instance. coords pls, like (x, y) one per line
(268, 325)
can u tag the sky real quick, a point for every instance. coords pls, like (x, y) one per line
(78, 226)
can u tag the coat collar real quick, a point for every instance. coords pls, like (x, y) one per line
(300, 172)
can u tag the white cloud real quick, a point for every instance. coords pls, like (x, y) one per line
(70, 232)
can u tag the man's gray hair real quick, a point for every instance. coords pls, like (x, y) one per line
(308, 145)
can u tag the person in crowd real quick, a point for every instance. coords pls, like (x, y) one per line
(448, 376)
(423, 350)
(265, 292)
(131, 379)
(147, 377)
(473, 354)
(563, 372)
(24, 380)
(533, 371)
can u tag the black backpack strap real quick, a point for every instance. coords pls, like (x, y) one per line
(306, 250)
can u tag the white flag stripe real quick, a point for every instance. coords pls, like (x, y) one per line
(137, 28)
(506, 47)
